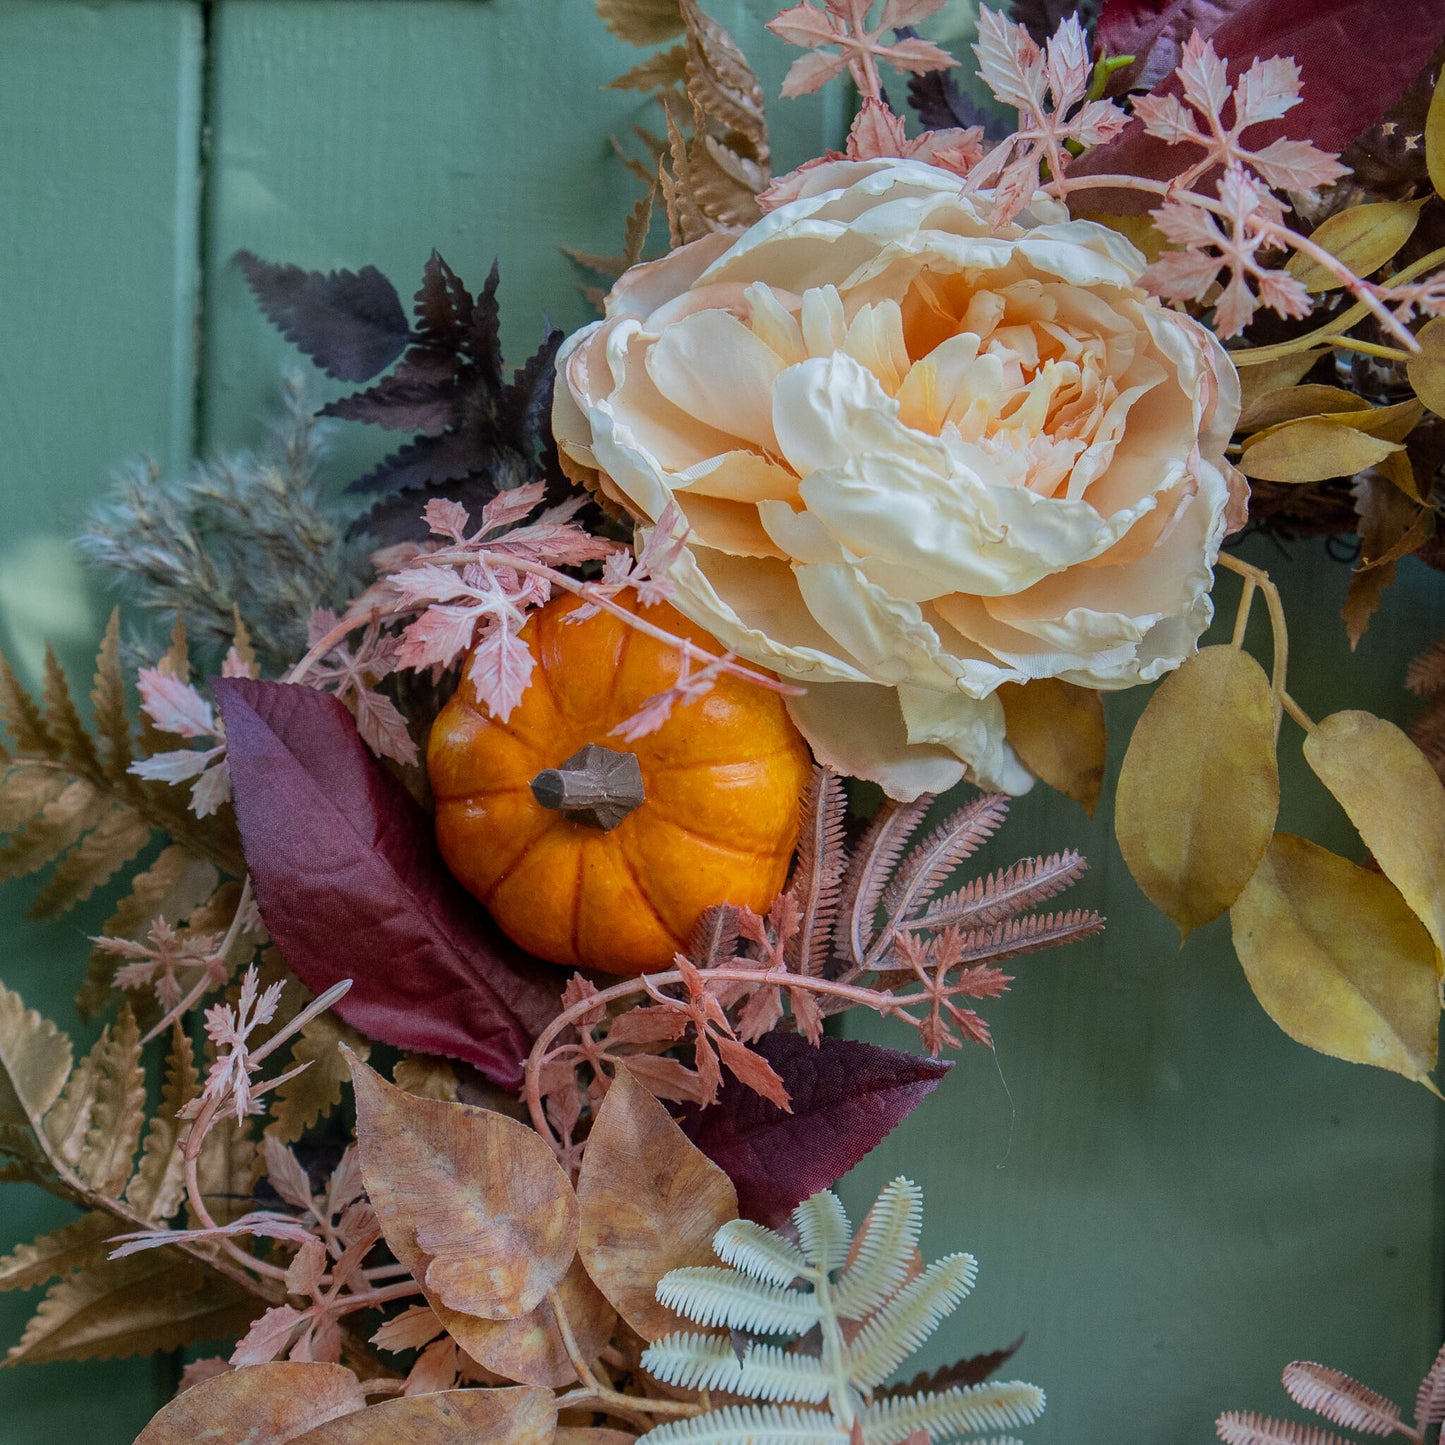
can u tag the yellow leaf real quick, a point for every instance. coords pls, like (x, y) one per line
(1395, 799)
(1391, 423)
(1199, 789)
(1435, 138)
(1259, 381)
(1312, 450)
(1140, 230)
(1058, 730)
(1363, 237)
(446, 1417)
(259, 1405)
(1289, 403)
(641, 22)
(479, 1196)
(1337, 959)
(429, 1076)
(34, 1062)
(650, 1201)
(1426, 369)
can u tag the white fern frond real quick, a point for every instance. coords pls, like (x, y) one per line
(1430, 1400)
(883, 1251)
(708, 1295)
(709, 1362)
(751, 1425)
(759, 1252)
(1244, 1427)
(823, 1230)
(952, 1412)
(1340, 1399)
(908, 1319)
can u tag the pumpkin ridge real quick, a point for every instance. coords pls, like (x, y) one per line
(487, 792)
(652, 908)
(608, 703)
(506, 873)
(493, 721)
(694, 764)
(661, 817)
(574, 932)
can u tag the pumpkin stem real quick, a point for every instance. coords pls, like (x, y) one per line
(596, 786)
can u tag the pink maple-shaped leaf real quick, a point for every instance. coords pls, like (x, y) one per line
(174, 706)
(1165, 116)
(438, 637)
(500, 669)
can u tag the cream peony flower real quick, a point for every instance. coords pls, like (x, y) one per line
(917, 458)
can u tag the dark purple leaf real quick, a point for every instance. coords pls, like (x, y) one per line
(428, 459)
(847, 1096)
(350, 885)
(960, 1374)
(1154, 32)
(398, 403)
(398, 517)
(350, 323)
(941, 105)
(484, 336)
(1042, 17)
(443, 305)
(1356, 58)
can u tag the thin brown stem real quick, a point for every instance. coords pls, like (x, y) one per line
(1297, 713)
(1241, 617)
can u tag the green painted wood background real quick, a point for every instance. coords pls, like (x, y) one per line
(1169, 1196)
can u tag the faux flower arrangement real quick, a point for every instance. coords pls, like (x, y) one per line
(884, 472)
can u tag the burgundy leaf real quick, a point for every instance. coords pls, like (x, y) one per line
(350, 323)
(350, 884)
(972, 1371)
(847, 1096)
(1356, 59)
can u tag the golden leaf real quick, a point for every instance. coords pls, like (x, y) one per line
(1392, 423)
(1426, 369)
(159, 1182)
(50, 832)
(1059, 732)
(1395, 800)
(1312, 449)
(1363, 237)
(1259, 381)
(1435, 138)
(72, 1246)
(657, 72)
(119, 834)
(25, 791)
(650, 1201)
(641, 22)
(314, 1093)
(1199, 790)
(1290, 403)
(428, 1076)
(63, 720)
(155, 1300)
(117, 1110)
(34, 1062)
(721, 83)
(259, 1405)
(22, 718)
(448, 1417)
(107, 699)
(472, 1202)
(1337, 959)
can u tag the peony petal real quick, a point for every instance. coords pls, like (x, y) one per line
(972, 729)
(857, 729)
(738, 476)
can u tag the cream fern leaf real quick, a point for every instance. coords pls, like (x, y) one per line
(872, 1306)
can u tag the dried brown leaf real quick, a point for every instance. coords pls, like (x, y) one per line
(72, 1246)
(1199, 790)
(1338, 960)
(159, 1182)
(448, 1417)
(1058, 731)
(258, 1405)
(650, 1201)
(428, 1076)
(472, 1202)
(116, 1114)
(641, 22)
(721, 83)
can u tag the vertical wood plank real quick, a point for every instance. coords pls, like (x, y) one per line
(98, 214)
(1171, 1197)
(348, 134)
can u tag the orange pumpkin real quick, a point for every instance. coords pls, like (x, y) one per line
(589, 880)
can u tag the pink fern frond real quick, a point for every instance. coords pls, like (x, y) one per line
(1012, 938)
(1430, 1401)
(1244, 1427)
(714, 937)
(1007, 892)
(818, 875)
(1340, 1399)
(870, 869)
(929, 863)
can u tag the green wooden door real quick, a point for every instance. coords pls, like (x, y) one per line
(1169, 1196)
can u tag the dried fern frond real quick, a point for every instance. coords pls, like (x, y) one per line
(1425, 677)
(1246, 1428)
(67, 798)
(871, 1310)
(245, 534)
